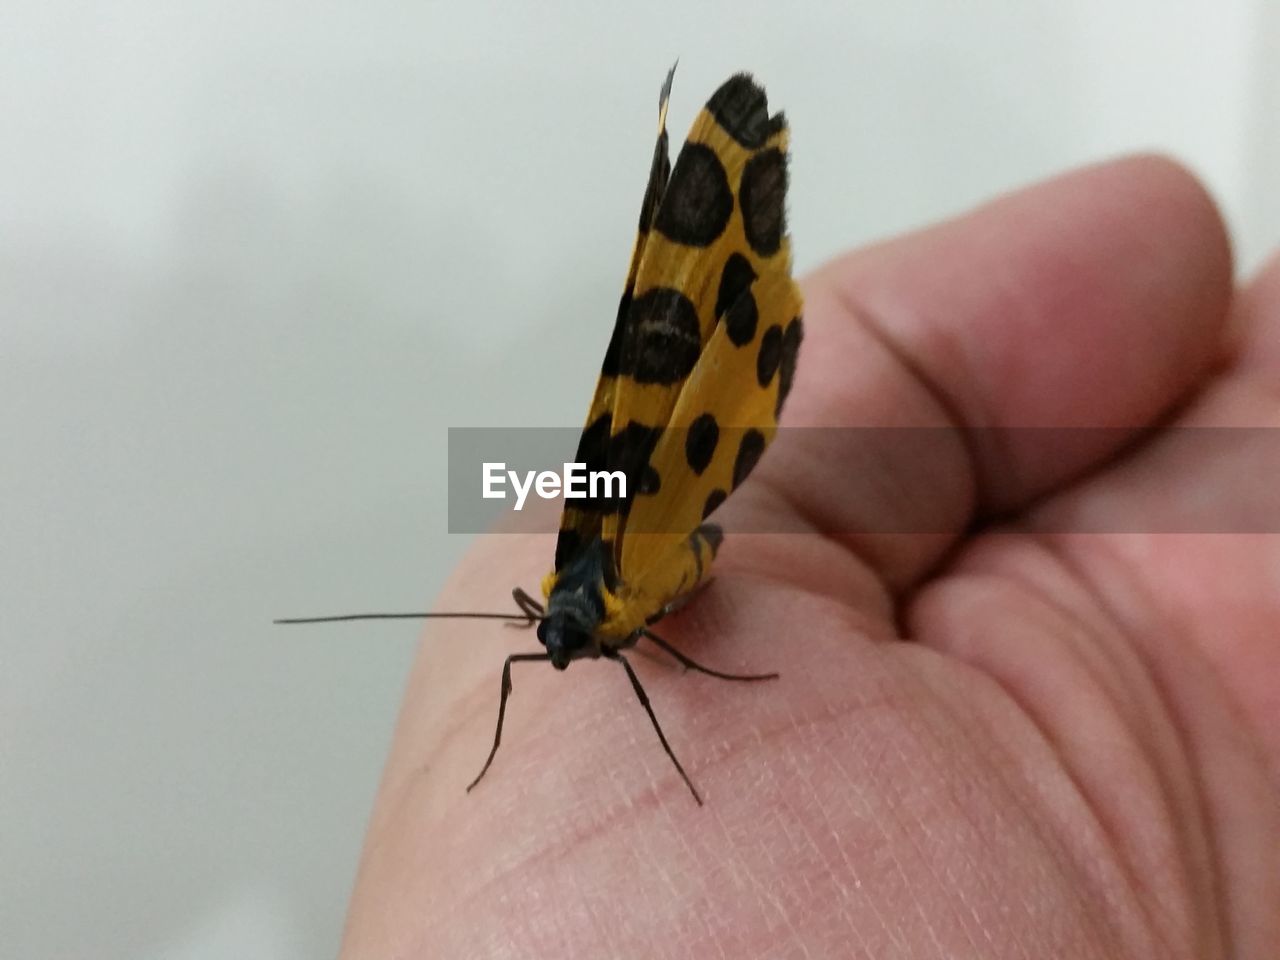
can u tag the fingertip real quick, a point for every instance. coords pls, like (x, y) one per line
(1174, 210)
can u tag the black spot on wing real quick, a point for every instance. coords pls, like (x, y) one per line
(740, 322)
(713, 536)
(663, 339)
(650, 481)
(740, 107)
(769, 356)
(735, 280)
(700, 442)
(629, 451)
(735, 286)
(714, 499)
(593, 451)
(787, 363)
(763, 196)
(698, 202)
(749, 451)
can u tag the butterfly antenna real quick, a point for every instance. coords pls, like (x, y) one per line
(531, 611)
(524, 617)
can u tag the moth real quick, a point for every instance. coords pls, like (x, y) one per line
(699, 365)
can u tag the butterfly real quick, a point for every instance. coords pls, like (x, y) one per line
(700, 362)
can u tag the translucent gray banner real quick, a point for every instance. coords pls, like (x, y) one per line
(859, 480)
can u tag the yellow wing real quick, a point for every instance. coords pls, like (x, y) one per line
(724, 420)
(718, 232)
(580, 524)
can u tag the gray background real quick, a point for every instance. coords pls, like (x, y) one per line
(254, 259)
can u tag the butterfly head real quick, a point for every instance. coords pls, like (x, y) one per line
(566, 640)
(575, 607)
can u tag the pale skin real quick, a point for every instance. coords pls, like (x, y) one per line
(1076, 753)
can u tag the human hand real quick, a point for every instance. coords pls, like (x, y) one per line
(1076, 755)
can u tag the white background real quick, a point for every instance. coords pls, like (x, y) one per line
(254, 259)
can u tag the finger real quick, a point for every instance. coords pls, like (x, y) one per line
(1173, 552)
(1201, 508)
(1095, 300)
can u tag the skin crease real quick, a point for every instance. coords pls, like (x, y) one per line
(1076, 755)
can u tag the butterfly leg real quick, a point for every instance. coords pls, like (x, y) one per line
(680, 602)
(530, 607)
(644, 702)
(502, 706)
(694, 665)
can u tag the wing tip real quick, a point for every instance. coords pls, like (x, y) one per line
(741, 107)
(665, 93)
